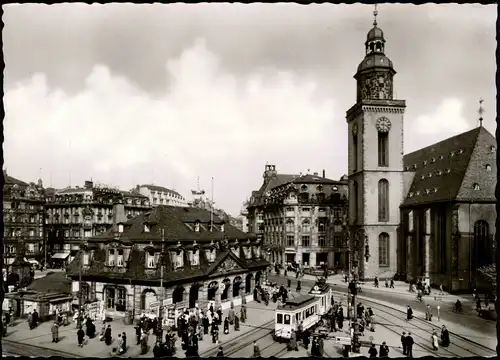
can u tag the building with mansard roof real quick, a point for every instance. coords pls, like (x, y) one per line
(205, 260)
(301, 218)
(77, 213)
(429, 214)
(159, 195)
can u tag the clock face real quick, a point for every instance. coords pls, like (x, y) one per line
(383, 125)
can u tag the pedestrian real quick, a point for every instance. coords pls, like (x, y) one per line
(435, 343)
(340, 317)
(256, 349)
(221, 352)
(409, 313)
(81, 336)
(306, 339)
(292, 344)
(386, 283)
(230, 315)
(298, 287)
(107, 336)
(215, 333)
(376, 283)
(205, 323)
(157, 350)
(119, 344)
(30, 320)
(137, 334)
(144, 342)
(441, 292)
(226, 326)
(314, 347)
(409, 345)
(428, 313)
(445, 337)
(289, 283)
(236, 323)
(35, 318)
(285, 272)
(474, 294)
(124, 343)
(403, 343)
(384, 350)
(243, 313)
(373, 351)
(392, 283)
(55, 332)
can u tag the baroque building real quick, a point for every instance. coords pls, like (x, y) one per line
(75, 214)
(429, 214)
(23, 216)
(205, 261)
(159, 195)
(301, 218)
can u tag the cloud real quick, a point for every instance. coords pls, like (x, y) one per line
(207, 118)
(446, 119)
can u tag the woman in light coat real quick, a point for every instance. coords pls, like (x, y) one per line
(435, 341)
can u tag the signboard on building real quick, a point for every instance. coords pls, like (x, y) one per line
(93, 310)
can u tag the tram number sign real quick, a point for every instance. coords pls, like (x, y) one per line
(343, 340)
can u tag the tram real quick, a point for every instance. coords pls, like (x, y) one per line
(306, 309)
(301, 309)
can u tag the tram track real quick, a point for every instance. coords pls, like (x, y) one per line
(457, 342)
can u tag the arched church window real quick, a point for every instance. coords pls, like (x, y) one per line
(482, 243)
(378, 46)
(383, 200)
(383, 249)
(383, 148)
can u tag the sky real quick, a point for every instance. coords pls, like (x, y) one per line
(127, 94)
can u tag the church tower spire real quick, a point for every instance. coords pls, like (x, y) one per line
(375, 161)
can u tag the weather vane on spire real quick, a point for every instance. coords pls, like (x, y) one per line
(375, 13)
(480, 111)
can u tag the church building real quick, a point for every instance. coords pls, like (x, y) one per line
(429, 214)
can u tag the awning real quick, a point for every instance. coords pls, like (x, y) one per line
(60, 256)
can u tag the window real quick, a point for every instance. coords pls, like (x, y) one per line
(179, 260)
(119, 258)
(305, 258)
(290, 240)
(111, 257)
(85, 289)
(287, 319)
(337, 227)
(121, 299)
(476, 187)
(31, 248)
(304, 197)
(321, 226)
(306, 226)
(150, 260)
(488, 167)
(195, 257)
(221, 227)
(305, 209)
(482, 244)
(383, 149)
(355, 151)
(85, 259)
(88, 233)
(120, 228)
(76, 233)
(279, 318)
(383, 200)
(322, 241)
(197, 226)
(146, 228)
(66, 233)
(321, 258)
(337, 212)
(306, 240)
(289, 209)
(383, 249)
(32, 232)
(290, 225)
(337, 241)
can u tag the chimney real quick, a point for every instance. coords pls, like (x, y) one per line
(324, 173)
(89, 184)
(118, 212)
(315, 174)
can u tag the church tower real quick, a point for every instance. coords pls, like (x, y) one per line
(375, 151)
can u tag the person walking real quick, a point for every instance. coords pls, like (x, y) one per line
(409, 345)
(55, 332)
(289, 283)
(384, 350)
(298, 287)
(392, 284)
(236, 323)
(80, 334)
(107, 336)
(435, 342)
(441, 292)
(138, 334)
(226, 326)
(256, 349)
(428, 313)
(373, 351)
(445, 337)
(124, 343)
(306, 338)
(403, 343)
(409, 313)
(340, 317)
(231, 315)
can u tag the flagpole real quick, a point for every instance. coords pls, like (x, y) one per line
(212, 204)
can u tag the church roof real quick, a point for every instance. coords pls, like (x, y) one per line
(460, 168)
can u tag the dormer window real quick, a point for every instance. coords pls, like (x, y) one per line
(414, 166)
(119, 258)
(179, 259)
(111, 257)
(85, 259)
(460, 151)
(492, 149)
(210, 226)
(452, 153)
(150, 260)
(410, 194)
(210, 253)
(430, 175)
(476, 186)
(257, 252)
(248, 252)
(448, 171)
(194, 257)
(433, 160)
(425, 162)
(146, 228)
(439, 172)
(120, 228)
(222, 228)
(197, 226)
